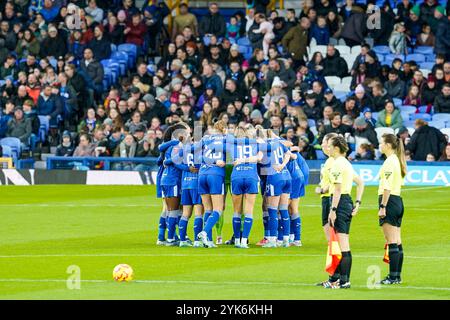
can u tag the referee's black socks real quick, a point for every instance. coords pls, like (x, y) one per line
(337, 274)
(400, 259)
(345, 266)
(394, 261)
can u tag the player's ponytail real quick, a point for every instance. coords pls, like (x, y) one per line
(399, 149)
(220, 126)
(240, 132)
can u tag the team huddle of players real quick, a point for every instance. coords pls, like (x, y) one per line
(192, 175)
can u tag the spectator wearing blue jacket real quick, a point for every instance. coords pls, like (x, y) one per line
(320, 32)
(5, 115)
(210, 78)
(49, 104)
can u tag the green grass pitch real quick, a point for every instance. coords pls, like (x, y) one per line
(46, 229)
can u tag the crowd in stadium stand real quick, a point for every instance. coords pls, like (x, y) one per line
(106, 78)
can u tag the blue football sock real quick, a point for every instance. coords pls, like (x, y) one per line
(280, 228)
(173, 218)
(237, 225)
(248, 222)
(285, 219)
(296, 225)
(273, 221)
(205, 218)
(266, 224)
(209, 225)
(182, 226)
(162, 226)
(198, 226)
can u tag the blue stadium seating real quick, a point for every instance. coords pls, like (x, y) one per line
(397, 102)
(438, 124)
(14, 144)
(441, 117)
(408, 109)
(426, 65)
(424, 50)
(43, 129)
(430, 57)
(423, 116)
(384, 50)
(423, 109)
(243, 42)
(311, 123)
(417, 57)
(390, 57)
(7, 151)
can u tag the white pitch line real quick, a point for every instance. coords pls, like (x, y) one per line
(280, 255)
(239, 283)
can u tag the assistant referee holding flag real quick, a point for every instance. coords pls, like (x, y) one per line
(390, 213)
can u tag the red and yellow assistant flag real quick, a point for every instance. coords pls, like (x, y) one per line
(386, 253)
(334, 254)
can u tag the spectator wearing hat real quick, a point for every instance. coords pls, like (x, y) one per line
(361, 99)
(329, 99)
(20, 127)
(389, 117)
(275, 93)
(442, 32)
(413, 23)
(430, 91)
(367, 114)
(66, 148)
(100, 45)
(395, 87)
(54, 45)
(257, 119)
(366, 131)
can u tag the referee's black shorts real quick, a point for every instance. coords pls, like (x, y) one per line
(326, 206)
(344, 214)
(394, 211)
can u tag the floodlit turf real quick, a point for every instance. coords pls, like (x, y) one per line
(46, 229)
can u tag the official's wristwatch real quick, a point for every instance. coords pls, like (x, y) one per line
(382, 206)
(358, 202)
(334, 209)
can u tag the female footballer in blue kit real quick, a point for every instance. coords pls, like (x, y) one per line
(171, 181)
(163, 218)
(190, 198)
(298, 190)
(211, 180)
(244, 183)
(278, 187)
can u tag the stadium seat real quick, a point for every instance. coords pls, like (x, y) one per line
(343, 87)
(320, 155)
(332, 81)
(122, 59)
(408, 109)
(7, 151)
(411, 130)
(343, 49)
(423, 109)
(423, 50)
(131, 51)
(417, 57)
(425, 72)
(321, 49)
(437, 124)
(446, 131)
(43, 129)
(441, 117)
(423, 116)
(375, 115)
(397, 102)
(382, 130)
(311, 123)
(382, 50)
(355, 50)
(346, 80)
(14, 144)
(390, 57)
(349, 59)
(113, 48)
(340, 95)
(426, 65)
(380, 57)
(405, 115)
(430, 58)
(409, 123)
(243, 42)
